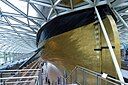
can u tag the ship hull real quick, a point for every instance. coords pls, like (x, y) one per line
(83, 45)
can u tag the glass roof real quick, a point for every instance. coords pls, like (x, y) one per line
(20, 20)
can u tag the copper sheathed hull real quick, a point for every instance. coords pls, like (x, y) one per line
(84, 46)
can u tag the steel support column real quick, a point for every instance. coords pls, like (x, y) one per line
(110, 47)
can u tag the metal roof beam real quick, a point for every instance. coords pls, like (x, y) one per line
(38, 11)
(17, 33)
(47, 4)
(10, 41)
(23, 23)
(53, 5)
(121, 5)
(19, 11)
(15, 26)
(19, 15)
(12, 31)
(53, 8)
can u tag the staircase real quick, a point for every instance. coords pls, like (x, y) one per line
(29, 75)
(32, 75)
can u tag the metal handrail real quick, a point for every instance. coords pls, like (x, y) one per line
(19, 82)
(19, 70)
(25, 77)
(22, 79)
(29, 70)
(98, 75)
(17, 78)
(71, 72)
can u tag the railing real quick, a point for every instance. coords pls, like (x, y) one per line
(78, 76)
(24, 76)
(83, 76)
(32, 80)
